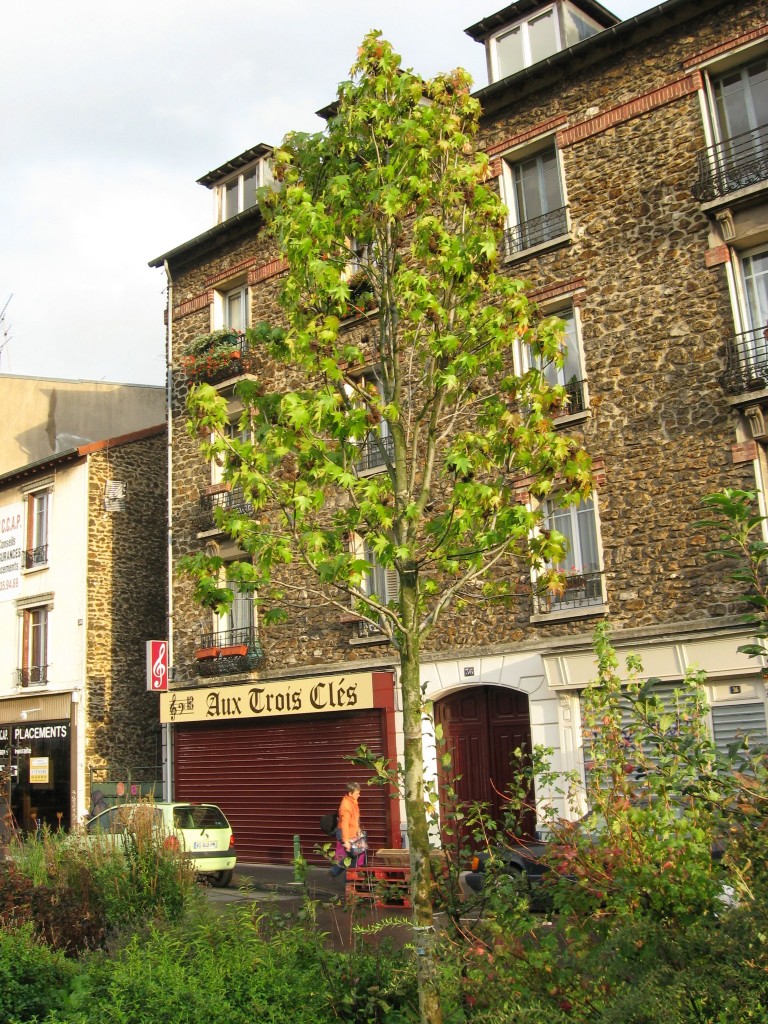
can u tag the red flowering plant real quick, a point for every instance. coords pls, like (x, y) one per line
(207, 354)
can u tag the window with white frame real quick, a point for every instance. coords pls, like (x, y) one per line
(38, 517)
(544, 32)
(748, 369)
(571, 374)
(239, 192)
(230, 308)
(238, 623)
(33, 670)
(581, 563)
(738, 109)
(534, 194)
(377, 447)
(380, 582)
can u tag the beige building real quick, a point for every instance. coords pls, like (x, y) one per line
(631, 157)
(82, 588)
(44, 415)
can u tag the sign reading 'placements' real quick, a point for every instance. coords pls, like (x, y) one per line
(267, 700)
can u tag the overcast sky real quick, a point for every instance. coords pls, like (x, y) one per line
(110, 112)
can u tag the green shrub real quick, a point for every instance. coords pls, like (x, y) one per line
(32, 977)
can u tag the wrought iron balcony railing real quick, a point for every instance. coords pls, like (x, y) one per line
(228, 651)
(536, 231)
(374, 453)
(582, 590)
(220, 364)
(230, 501)
(747, 362)
(732, 165)
(35, 675)
(36, 556)
(574, 388)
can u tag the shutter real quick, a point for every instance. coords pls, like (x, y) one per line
(275, 778)
(730, 722)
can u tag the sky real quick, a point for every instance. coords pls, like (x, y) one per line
(109, 113)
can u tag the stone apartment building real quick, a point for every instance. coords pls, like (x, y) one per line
(632, 157)
(82, 588)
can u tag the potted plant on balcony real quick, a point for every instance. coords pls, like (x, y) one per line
(206, 354)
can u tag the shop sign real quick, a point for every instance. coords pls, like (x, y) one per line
(40, 770)
(315, 695)
(11, 550)
(157, 665)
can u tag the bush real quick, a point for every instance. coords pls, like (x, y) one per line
(33, 978)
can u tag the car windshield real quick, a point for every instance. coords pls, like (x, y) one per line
(199, 816)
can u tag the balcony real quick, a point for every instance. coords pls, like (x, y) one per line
(536, 231)
(732, 165)
(35, 675)
(230, 501)
(374, 453)
(747, 362)
(582, 590)
(34, 557)
(227, 356)
(228, 651)
(574, 389)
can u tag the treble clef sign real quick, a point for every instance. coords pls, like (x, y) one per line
(158, 668)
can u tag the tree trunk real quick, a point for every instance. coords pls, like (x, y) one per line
(416, 816)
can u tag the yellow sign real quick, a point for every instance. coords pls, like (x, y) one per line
(318, 694)
(39, 769)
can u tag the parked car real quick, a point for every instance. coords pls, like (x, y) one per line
(199, 832)
(524, 861)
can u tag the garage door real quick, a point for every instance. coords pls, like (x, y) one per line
(275, 778)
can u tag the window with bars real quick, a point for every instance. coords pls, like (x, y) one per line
(534, 192)
(34, 647)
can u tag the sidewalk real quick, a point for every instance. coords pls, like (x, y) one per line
(280, 878)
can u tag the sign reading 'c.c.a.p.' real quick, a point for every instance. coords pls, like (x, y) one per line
(267, 699)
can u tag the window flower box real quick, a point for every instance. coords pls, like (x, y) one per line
(234, 650)
(205, 653)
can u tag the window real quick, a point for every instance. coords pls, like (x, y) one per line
(377, 447)
(239, 192)
(581, 564)
(748, 369)
(739, 115)
(534, 192)
(545, 32)
(34, 647)
(231, 308)
(380, 582)
(238, 623)
(570, 375)
(38, 510)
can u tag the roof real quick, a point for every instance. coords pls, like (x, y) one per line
(235, 164)
(488, 25)
(76, 454)
(612, 40)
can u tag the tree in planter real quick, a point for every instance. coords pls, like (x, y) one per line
(428, 384)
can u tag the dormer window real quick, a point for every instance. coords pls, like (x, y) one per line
(514, 43)
(238, 193)
(235, 184)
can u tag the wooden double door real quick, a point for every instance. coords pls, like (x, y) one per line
(482, 728)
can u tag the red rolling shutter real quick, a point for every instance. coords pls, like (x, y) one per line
(274, 778)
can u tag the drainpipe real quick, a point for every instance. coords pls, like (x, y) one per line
(168, 781)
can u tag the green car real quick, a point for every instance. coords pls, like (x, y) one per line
(199, 832)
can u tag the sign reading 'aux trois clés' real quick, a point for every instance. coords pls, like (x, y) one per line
(265, 700)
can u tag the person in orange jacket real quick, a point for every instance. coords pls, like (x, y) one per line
(347, 829)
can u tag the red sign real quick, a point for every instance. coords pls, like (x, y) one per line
(157, 665)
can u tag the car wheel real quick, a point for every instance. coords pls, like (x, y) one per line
(221, 879)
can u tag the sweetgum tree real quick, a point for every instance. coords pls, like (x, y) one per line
(445, 384)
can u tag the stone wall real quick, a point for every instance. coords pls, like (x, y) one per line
(654, 318)
(127, 570)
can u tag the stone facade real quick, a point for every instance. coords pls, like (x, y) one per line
(126, 586)
(645, 266)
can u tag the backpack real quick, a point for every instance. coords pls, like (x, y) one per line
(328, 824)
